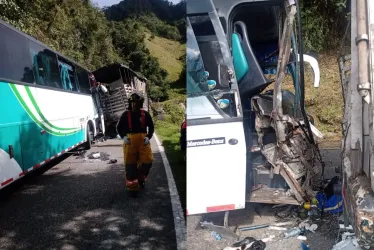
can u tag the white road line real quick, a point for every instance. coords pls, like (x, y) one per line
(179, 222)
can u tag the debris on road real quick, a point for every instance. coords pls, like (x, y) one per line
(254, 227)
(99, 155)
(304, 246)
(278, 228)
(216, 235)
(248, 243)
(294, 232)
(221, 230)
(347, 244)
(96, 155)
(301, 237)
(270, 238)
(113, 161)
(80, 154)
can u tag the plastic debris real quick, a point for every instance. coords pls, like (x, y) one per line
(248, 243)
(278, 228)
(270, 238)
(216, 235)
(312, 228)
(99, 155)
(301, 237)
(253, 227)
(304, 246)
(294, 232)
(96, 156)
(347, 244)
(286, 223)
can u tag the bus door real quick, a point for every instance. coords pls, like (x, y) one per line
(216, 146)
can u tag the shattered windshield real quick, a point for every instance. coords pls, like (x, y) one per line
(203, 99)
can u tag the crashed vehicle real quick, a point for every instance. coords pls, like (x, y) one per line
(357, 77)
(120, 81)
(248, 139)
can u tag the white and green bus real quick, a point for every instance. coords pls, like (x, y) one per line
(47, 107)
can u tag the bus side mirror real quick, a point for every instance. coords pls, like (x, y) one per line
(315, 67)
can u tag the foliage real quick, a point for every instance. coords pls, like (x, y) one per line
(162, 17)
(82, 32)
(324, 23)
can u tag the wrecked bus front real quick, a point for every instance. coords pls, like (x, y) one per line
(268, 152)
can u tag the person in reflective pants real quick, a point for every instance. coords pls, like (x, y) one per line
(138, 157)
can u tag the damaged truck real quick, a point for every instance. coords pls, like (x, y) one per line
(249, 138)
(120, 81)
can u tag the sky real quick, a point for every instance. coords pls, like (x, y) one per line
(103, 3)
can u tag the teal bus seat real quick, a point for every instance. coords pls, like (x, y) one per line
(249, 74)
(240, 62)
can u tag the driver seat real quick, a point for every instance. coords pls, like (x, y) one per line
(251, 79)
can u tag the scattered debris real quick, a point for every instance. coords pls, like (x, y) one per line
(270, 238)
(216, 235)
(301, 237)
(221, 230)
(80, 154)
(278, 228)
(254, 227)
(113, 161)
(350, 243)
(312, 228)
(99, 155)
(304, 246)
(294, 232)
(286, 223)
(96, 155)
(248, 243)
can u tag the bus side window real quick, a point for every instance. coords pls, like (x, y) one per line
(83, 79)
(45, 66)
(67, 74)
(15, 63)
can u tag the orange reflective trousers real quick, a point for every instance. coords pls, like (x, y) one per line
(138, 160)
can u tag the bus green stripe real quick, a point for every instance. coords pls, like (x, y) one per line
(36, 106)
(17, 94)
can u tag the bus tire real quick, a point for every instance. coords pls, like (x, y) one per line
(87, 145)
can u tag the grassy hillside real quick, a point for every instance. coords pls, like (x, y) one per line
(168, 115)
(325, 103)
(168, 53)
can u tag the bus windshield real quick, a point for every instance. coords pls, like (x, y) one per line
(205, 100)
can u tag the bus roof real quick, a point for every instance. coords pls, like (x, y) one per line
(2, 22)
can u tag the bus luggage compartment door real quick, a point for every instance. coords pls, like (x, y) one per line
(216, 167)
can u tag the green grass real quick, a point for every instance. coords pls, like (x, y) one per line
(325, 103)
(168, 53)
(169, 135)
(168, 124)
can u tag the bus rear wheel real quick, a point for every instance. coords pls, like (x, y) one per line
(87, 145)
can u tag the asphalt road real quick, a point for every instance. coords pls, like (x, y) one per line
(82, 204)
(258, 214)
